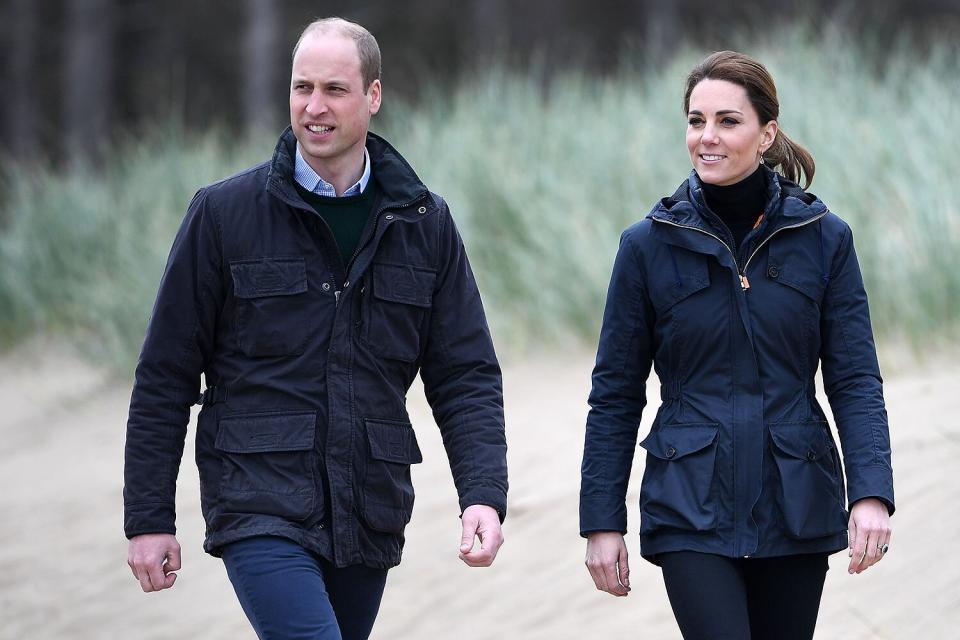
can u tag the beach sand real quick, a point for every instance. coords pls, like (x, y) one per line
(63, 570)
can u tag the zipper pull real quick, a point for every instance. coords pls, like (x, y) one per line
(744, 283)
(336, 297)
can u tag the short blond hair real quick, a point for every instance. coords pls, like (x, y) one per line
(367, 48)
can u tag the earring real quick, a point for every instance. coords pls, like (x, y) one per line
(761, 159)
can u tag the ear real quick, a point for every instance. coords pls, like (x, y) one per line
(373, 96)
(767, 135)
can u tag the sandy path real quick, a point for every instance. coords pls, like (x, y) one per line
(62, 552)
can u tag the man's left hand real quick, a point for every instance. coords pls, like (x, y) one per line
(482, 522)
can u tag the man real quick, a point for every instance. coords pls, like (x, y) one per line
(309, 291)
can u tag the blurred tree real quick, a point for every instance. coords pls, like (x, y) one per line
(75, 72)
(88, 77)
(21, 122)
(262, 55)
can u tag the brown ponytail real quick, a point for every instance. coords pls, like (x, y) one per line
(792, 159)
(784, 155)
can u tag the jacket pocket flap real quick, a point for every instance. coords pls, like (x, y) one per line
(403, 283)
(258, 434)
(689, 285)
(802, 440)
(798, 267)
(683, 274)
(268, 277)
(393, 442)
(676, 441)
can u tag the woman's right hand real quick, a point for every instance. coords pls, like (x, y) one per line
(607, 562)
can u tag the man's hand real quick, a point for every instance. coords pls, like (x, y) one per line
(607, 562)
(153, 558)
(482, 522)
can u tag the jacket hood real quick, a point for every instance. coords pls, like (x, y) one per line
(787, 203)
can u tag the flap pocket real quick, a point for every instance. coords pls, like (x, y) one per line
(672, 442)
(801, 440)
(262, 433)
(393, 441)
(268, 277)
(403, 283)
(798, 266)
(682, 273)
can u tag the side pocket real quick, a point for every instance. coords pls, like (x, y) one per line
(677, 490)
(811, 495)
(387, 487)
(268, 464)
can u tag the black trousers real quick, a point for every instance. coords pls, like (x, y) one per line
(719, 598)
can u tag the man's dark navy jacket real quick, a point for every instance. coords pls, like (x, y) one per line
(304, 431)
(740, 459)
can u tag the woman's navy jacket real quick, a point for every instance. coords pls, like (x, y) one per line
(740, 459)
(304, 431)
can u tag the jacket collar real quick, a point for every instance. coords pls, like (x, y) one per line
(398, 183)
(787, 205)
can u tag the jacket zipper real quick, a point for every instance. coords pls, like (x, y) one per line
(743, 279)
(744, 283)
(793, 226)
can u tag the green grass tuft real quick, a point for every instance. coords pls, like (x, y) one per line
(541, 178)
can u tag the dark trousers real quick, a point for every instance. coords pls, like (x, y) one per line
(720, 598)
(288, 592)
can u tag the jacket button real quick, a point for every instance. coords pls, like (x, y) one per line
(422, 210)
(671, 452)
(811, 456)
(389, 216)
(773, 271)
(325, 286)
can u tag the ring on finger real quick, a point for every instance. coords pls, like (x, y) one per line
(883, 548)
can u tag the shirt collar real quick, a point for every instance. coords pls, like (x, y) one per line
(307, 178)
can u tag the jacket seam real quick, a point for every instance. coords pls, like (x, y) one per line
(639, 306)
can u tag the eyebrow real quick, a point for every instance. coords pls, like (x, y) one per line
(722, 112)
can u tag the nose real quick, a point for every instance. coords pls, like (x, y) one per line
(709, 135)
(316, 105)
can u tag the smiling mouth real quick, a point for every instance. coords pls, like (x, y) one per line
(711, 158)
(319, 128)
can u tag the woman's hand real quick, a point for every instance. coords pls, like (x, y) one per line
(869, 531)
(607, 562)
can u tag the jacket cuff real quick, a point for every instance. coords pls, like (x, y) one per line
(602, 512)
(152, 517)
(496, 500)
(871, 482)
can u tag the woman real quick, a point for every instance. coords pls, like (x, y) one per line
(736, 288)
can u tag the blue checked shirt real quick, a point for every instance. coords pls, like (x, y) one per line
(307, 178)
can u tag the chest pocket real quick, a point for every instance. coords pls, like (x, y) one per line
(397, 301)
(676, 275)
(272, 317)
(796, 263)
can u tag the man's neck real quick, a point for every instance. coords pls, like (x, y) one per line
(341, 175)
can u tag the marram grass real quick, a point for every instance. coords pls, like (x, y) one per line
(541, 178)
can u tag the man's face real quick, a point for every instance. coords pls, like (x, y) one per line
(329, 109)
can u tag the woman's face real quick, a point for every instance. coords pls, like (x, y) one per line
(724, 134)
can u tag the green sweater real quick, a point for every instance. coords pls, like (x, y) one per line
(346, 216)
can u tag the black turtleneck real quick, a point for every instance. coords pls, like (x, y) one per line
(739, 204)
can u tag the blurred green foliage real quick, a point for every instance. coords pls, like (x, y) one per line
(542, 176)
